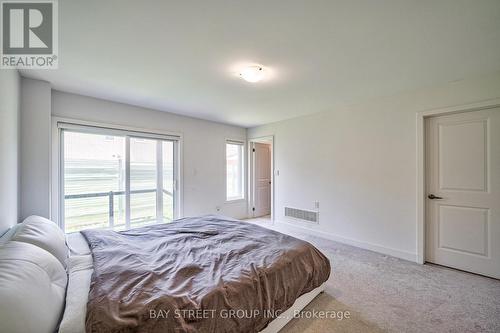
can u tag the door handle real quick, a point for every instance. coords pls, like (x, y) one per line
(433, 197)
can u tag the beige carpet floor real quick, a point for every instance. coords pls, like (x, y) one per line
(387, 294)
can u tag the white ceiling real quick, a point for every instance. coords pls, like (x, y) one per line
(179, 56)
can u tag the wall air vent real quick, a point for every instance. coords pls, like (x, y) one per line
(301, 214)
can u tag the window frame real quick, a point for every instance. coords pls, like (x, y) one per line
(243, 197)
(57, 172)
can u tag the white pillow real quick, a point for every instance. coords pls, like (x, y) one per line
(43, 233)
(32, 289)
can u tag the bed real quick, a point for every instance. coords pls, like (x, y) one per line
(200, 274)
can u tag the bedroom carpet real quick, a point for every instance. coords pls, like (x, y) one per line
(387, 294)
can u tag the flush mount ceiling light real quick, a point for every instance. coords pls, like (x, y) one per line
(252, 73)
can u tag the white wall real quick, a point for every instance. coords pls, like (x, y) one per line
(359, 162)
(203, 146)
(35, 148)
(10, 110)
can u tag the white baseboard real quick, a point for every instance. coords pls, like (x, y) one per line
(364, 245)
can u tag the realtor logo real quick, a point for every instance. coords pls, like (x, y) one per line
(29, 34)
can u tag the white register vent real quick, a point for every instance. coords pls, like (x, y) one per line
(302, 214)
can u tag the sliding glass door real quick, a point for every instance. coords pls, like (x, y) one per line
(115, 180)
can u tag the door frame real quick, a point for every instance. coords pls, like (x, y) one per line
(251, 173)
(421, 162)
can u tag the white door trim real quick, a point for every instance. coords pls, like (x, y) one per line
(421, 168)
(251, 173)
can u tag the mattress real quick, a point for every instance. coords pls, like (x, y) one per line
(80, 269)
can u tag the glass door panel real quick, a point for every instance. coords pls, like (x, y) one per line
(94, 174)
(143, 181)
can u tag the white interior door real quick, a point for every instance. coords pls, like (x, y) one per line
(463, 191)
(262, 167)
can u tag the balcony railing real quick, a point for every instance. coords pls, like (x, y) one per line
(111, 202)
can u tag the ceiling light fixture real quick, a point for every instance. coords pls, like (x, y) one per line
(252, 73)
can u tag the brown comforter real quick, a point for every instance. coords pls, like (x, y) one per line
(205, 274)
